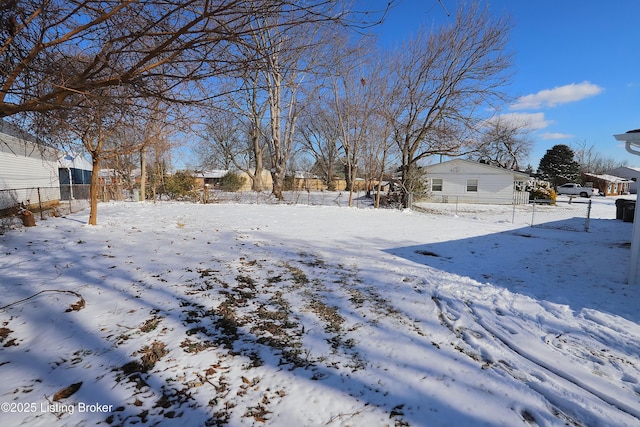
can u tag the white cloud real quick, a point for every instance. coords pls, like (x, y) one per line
(556, 135)
(556, 96)
(531, 121)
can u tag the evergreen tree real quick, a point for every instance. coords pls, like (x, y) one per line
(558, 165)
(179, 184)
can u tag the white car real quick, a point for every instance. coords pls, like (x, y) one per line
(577, 190)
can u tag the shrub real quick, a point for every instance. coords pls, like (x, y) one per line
(179, 184)
(289, 183)
(541, 190)
(231, 182)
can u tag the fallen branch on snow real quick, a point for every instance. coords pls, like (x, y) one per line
(74, 307)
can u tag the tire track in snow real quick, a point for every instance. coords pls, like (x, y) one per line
(562, 383)
(552, 370)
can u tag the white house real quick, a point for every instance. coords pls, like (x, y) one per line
(28, 168)
(628, 173)
(609, 185)
(466, 181)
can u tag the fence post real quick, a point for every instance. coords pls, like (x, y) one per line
(586, 222)
(40, 204)
(533, 211)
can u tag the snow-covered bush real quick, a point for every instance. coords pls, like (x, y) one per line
(541, 190)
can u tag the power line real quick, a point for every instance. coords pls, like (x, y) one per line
(444, 8)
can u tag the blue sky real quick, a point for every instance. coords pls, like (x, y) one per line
(577, 66)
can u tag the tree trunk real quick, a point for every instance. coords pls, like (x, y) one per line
(93, 190)
(379, 187)
(277, 161)
(347, 177)
(257, 176)
(351, 183)
(143, 174)
(405, 185)
(331, 185)
(278, 181)
(258, 184)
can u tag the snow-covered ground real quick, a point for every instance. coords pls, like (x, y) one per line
(296, 315)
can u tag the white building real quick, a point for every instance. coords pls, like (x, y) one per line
(466, 181)
(28, 168)
(632, 145)
(628, 173)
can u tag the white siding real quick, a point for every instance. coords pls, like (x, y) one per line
(25, 167)
(628, 173)
(495, 186)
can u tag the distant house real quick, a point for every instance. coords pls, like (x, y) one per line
(609, 185)
(306, 181)
(29, 172)
(213, 178)
(210, 178)
(628, 173)
(471, 182)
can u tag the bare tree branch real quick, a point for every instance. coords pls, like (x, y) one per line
(53, 50)
(443, 83)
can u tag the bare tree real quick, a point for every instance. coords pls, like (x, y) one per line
(153, 124)
(113, 130)
(146, 128)
(288, 49)
(345, 116)
(319, 135)
(443, 82)
(155, 130)
(282, 55)
(249, 111)
(158, 157)
(504, 143)
(53, 50)
(376, 151)
(255, 113)
(221, 142)
(64, 54)
(99, 129)
(356, 93)
(592, 161)
(234, 135)
(123, 165)
(284, 62)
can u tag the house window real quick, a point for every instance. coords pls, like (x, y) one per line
(436, 184)
(472, 185)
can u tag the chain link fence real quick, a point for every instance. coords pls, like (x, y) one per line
(292, 197)
(44, 201)
(566, 214)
